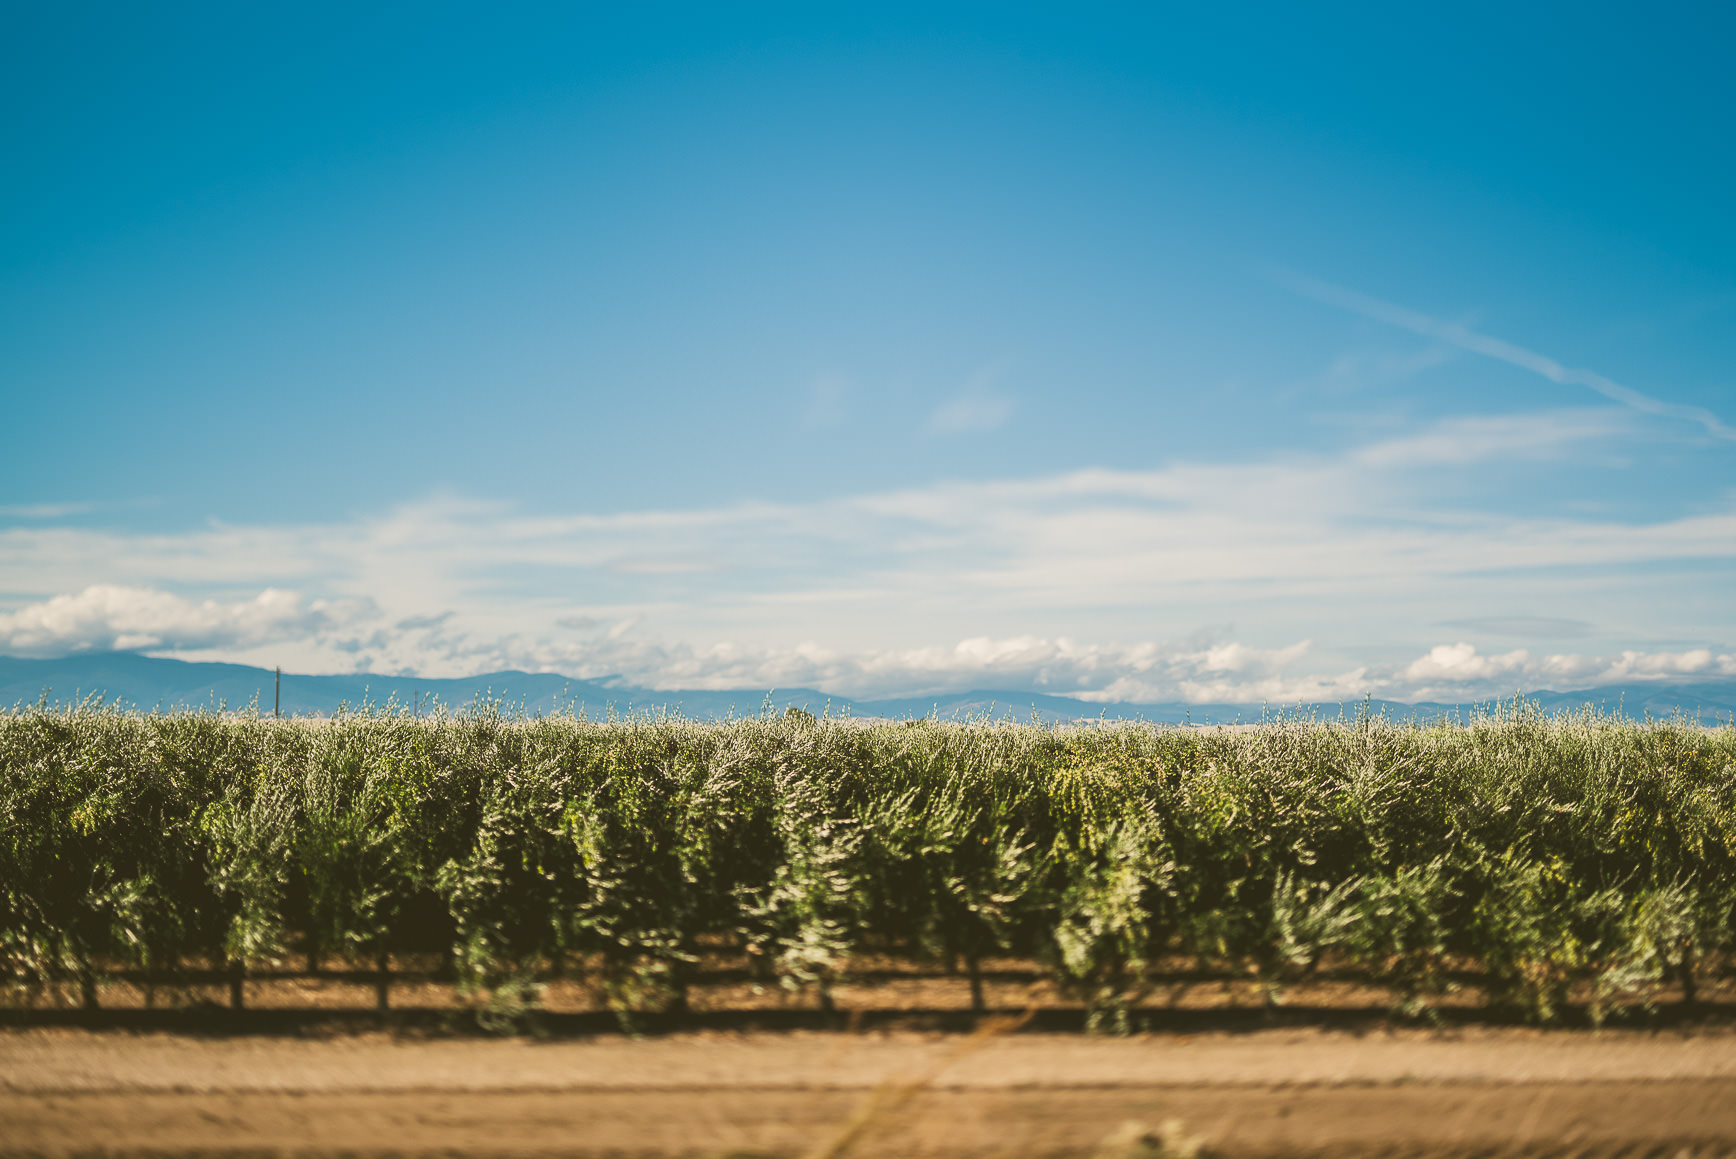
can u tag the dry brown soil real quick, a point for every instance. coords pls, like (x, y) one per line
(308, 1069)
(1478, 1090)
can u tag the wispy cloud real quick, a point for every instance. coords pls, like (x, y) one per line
(1459, 442)
(873, 593)
(1465, 338)
(1087, 538)
(827, 402)
(1357, 369)
(44, 510)
(1533, 627)
(978, 407)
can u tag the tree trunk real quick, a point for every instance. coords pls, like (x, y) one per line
(382, 981)
(237, 978)
(975, 967)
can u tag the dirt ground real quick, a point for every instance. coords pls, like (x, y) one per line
(903, 1068)
(1000, 1091)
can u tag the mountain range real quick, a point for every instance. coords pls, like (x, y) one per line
(150, 683)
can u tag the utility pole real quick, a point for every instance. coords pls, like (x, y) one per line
(276, 691)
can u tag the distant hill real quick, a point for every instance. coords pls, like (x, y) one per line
(148, 683)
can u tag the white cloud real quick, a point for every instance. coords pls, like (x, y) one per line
(1200, 543)
(1214, 671)
(105, 617)
(1087, 539)
(874, 593)
(1448, 669)
(1460, 663)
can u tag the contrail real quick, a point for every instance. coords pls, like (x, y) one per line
(1467, 339)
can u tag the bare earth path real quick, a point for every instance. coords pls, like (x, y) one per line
(1477, 1091)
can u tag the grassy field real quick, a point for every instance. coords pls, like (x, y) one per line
(1539, 864)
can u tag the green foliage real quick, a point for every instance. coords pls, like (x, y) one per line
(1548, 860)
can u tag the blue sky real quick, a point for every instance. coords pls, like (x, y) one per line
(1173, 354)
